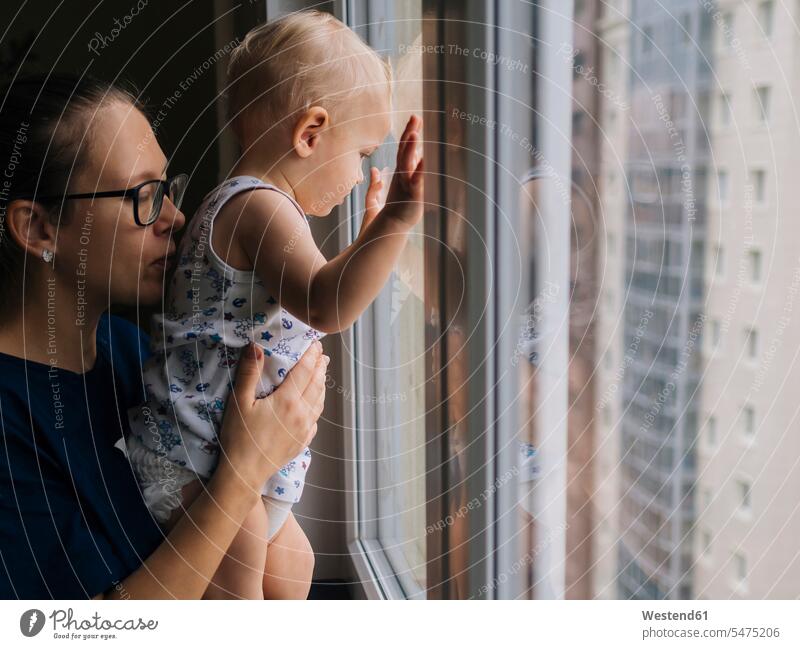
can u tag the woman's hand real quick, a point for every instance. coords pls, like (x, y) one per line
(259, 436)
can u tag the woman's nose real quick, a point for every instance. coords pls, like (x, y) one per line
(170, 218)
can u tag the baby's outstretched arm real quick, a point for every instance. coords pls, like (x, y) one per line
(331, 295)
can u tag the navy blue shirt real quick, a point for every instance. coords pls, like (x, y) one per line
(72, 519)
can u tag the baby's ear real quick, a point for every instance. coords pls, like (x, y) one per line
(307, 130)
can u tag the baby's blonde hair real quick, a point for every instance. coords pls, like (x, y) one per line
(290, 64)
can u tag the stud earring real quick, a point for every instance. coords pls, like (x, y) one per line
(47, 255)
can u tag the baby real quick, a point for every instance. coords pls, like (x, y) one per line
(309, 101)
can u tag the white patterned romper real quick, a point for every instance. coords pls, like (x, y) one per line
(211, 312)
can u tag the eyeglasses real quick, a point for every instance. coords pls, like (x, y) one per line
(148, 197)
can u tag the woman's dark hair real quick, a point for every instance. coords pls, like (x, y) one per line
(45, 133)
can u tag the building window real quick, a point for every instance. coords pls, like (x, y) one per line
(743, 496)
(726, 28)
(686, 29)
(612, 62)
(725, 109)
(647, 40)
(578, 64)
(763, 97)
(719, 261)
(716, 333)
(751, 343)
(766, 11)
(740, 568)
(711, 431)
(760, 185)
(755, 265)
(577, 121)
(723, 184)
(707, 498)
(748, 422)
(705, 543)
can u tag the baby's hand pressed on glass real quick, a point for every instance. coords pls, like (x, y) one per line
(404, 198)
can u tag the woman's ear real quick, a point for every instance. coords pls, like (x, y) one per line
(305, 137)
(28, 224)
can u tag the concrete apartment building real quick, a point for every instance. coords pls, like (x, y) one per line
(748, 462)
(697, 460)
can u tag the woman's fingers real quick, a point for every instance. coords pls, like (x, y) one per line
(312, 433)
(301, 374)
(314, 394)
(248, 375)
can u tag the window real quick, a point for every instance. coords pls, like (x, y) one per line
(766, 11)
(514, 274)
(740, 569)
(760, 185)
(725, 112)
(748, 422)
(716, 333)
(578, 65)
(751, 343)
(612, 64)
(723, 186)
(726, 28)
(754, 257)
(685, 34)
(705, 543)
(711, 431)
(743, 496)
(577, 121)
(763, 97)
(719, 261)
(647, 40)
(389, 347)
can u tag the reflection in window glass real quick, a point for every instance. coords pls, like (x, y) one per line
(765, 16)
(684, 343)
(395, 365)
(762, 103)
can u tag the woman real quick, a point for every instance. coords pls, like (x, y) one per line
(86, 224)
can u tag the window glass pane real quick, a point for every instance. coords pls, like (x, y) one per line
(688, 320)
(394, 366)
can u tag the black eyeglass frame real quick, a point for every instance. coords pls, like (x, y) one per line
(132, 193)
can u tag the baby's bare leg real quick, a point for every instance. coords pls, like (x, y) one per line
(240, 574)
(290, 563)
